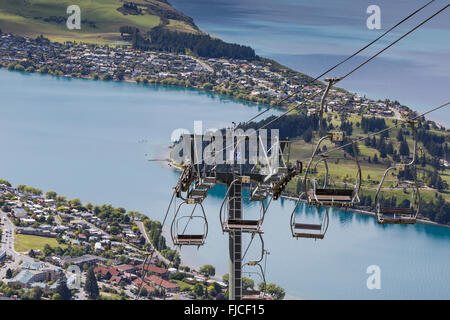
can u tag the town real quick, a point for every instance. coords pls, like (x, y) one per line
(259, 81)
(53, 248)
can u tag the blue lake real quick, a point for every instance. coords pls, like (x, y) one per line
(92, 140)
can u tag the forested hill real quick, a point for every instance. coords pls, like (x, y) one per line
(146, 24)
(198, 44)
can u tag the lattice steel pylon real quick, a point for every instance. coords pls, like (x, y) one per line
(235, 243)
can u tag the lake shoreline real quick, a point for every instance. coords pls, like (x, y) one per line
(274, 98)
(370, 213)
(126, 178)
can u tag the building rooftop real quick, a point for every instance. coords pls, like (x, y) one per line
(23, 276)
(33, 265)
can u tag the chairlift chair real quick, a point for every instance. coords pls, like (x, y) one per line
(257, 263)
(289, 175)
(180, 237)
(328, 196)
(309, 230)
(395, 215)
(260, 192)
(242, 225)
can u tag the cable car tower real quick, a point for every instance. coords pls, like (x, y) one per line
(253, 169)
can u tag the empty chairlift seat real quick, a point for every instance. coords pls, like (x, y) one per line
(260, 193)
(189, 234)
(208, 182)
(393, 215)
(397, 211)
(309, 230)
(397, 216)
(307, 226)
(197, 195)
(331, 196)
(189, 239)
(242, 225)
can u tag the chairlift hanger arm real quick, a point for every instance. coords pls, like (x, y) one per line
(415, 194)
(331, 82)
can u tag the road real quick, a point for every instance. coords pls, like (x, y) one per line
(397, 114)
(7, 245)
(147, 239)
(204, 65)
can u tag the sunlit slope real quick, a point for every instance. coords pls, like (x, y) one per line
(101, 19)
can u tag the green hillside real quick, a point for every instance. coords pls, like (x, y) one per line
(101, 19)
(375, 156)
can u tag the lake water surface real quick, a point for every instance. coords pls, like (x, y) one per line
(92, 140)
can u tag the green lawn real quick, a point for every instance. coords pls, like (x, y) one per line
(110, 296)
(24, 243)
(183, 285)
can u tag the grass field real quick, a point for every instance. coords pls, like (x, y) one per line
(183, 284)
(110, 296)
(24, 243)
(26, 17)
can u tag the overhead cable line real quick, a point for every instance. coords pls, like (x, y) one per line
(346, 59)
(360, 65)
(382, 131)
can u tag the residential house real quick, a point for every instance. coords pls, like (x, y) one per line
(164, 284)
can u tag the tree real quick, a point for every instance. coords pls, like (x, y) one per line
(400, 135)
(120, 75)
(404, 148)
(51, 195)
(9, 274)
(308, 135)
(34, 294)
(248, 283)
(5, 182)
(226, 278)
(208, 270)
(61, 199)
(76, 203)
(91, 285)
(375, 158)
(197, 289)
(47, 250)
(50, 220)
(274, 290)
(57, 296)
(89, 206)
(63, 290)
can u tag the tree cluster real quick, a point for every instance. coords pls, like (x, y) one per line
(205, 46)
